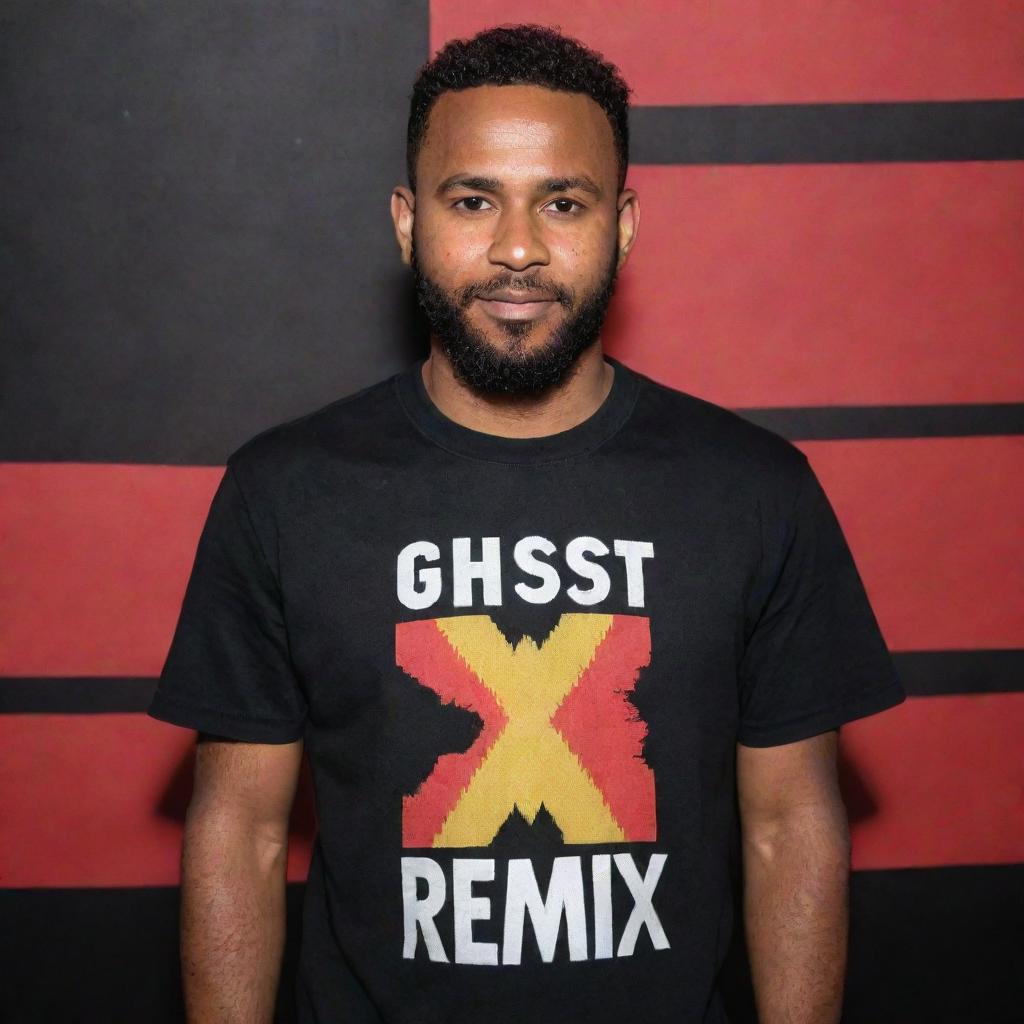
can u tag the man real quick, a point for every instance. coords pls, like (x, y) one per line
(564, 646)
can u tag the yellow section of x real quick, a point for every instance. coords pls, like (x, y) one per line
(529, 763)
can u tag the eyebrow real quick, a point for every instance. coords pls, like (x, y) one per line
(492, 185)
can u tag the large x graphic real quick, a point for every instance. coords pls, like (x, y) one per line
(557, 729)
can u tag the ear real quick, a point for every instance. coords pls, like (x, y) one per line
(403, 207)
(629, 222)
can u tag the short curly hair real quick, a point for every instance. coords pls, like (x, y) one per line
(519, 55)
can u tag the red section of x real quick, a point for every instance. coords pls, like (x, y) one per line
(422, 650)
(604, 730)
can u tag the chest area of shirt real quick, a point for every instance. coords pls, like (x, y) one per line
(531, 618)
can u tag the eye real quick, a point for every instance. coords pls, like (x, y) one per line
(565, 205)
(471, 203)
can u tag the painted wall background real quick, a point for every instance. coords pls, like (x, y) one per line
(195, 245)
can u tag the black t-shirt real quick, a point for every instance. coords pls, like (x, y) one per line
(521, 668)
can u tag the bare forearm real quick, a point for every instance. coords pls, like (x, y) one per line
(796, 887)
(232, 923)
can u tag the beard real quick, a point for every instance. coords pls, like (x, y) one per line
(513, 371)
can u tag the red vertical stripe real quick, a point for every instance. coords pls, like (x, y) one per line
(936, 781)
(861, 284)
(789, 51)
(96, 558)
(99, 800)
(937, 529)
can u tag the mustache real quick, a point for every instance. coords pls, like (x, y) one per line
(532, 282)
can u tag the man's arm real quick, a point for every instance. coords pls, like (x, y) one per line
(796, 857)
(233, 878)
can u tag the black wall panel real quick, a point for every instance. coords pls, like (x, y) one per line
(194, 232)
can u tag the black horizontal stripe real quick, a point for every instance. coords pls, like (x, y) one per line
(924, 674)
(74, 696)
(823, 133)
(944, 673)
(909, 927)
(797, 423)
(845, 422)
(115, 951)
(101, 955)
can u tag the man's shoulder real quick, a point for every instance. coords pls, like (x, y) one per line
(681, 423)
(346, 420)
(355, 424)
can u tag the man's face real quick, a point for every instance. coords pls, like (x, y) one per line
(516, 232)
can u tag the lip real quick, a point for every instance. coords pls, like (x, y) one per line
(515, 306)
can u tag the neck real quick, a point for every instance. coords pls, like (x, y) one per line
(550, 412)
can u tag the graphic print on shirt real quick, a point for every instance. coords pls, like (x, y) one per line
(558, 751)
(558, 732)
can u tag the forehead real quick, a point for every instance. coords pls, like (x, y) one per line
(505, 128)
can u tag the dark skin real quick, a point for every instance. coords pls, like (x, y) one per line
(796, 858)
(522, 179)
(233, 879)
(516, 178)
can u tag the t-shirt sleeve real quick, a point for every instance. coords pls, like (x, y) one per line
(814, 657)
(228, 670)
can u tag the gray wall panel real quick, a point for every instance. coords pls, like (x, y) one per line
(195, 240)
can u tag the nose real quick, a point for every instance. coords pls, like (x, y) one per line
(517, 242)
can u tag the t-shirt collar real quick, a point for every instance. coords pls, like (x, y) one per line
(584, 437)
